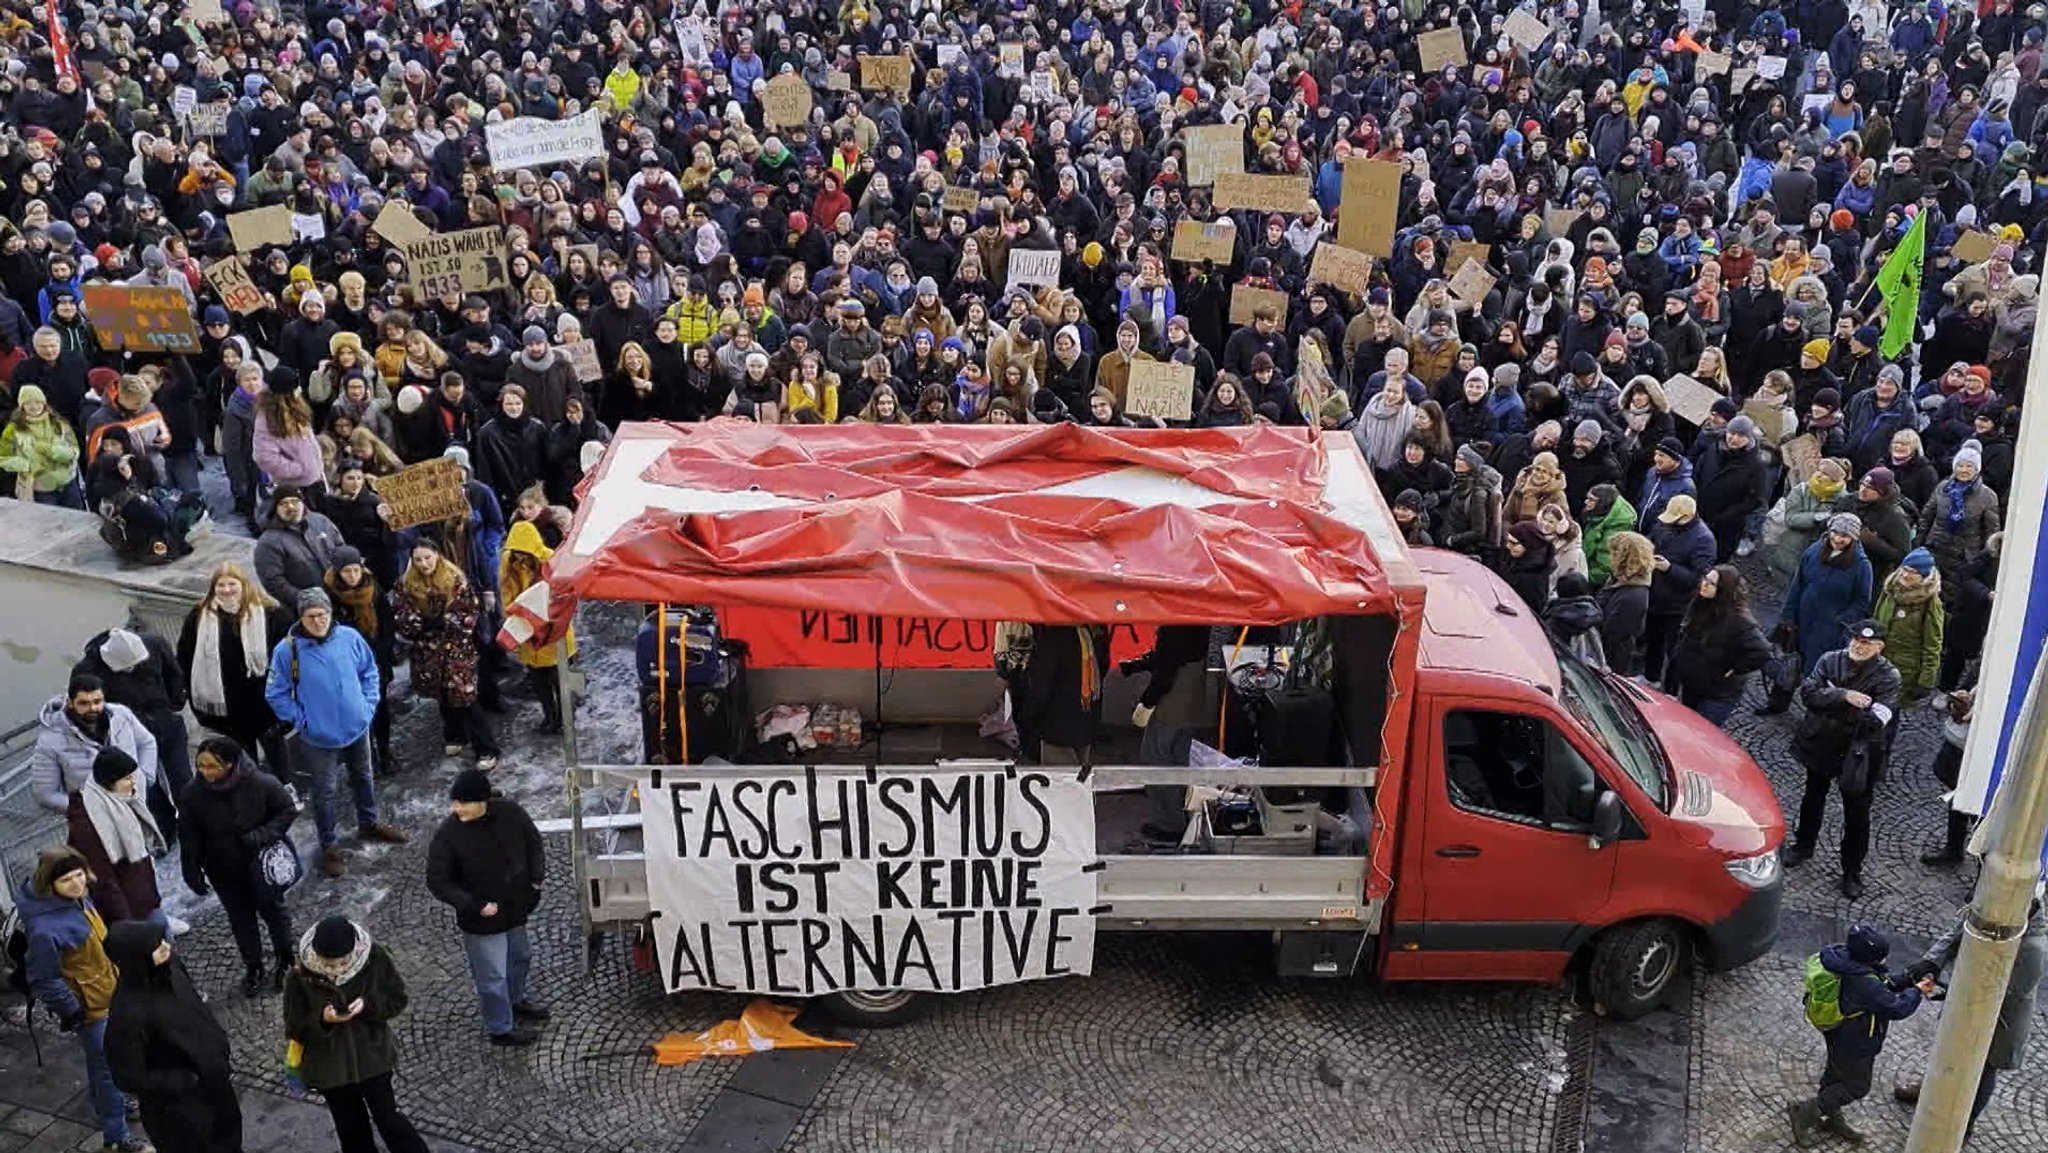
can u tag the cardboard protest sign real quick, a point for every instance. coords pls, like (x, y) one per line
(1368, 204)
(1034, 266)
(1010, 60)
(786, 101)
(1441, 49)
(891, 72)
(949, 53)
(210, 119)
(206, 13)
(1525, 30)
(938, 878)
(1472, 282)
(1770, 67)
(1690, 400)
(399, 224)
(1160, 389)
(141, 318)
(423, 493)
(309, 226)
(1287, 194)
(1769, 418)
(958, 199)
(583, 359)
(1464, 250)
(530, 142)
(1559, 220)
(230, 281)
(1211, 149)
(1195, 241)
(1738, 80)
(1245, 299)
(1341, 267)
(837, 81)
(1974, 247)
(1714, 64)
(260, 227)
(1801, 455)
(448, 263)
(184, 99)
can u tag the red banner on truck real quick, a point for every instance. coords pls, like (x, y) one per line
(817, 639)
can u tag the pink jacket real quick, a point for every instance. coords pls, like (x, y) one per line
(288, 460)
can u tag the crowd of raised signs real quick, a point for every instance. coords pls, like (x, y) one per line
(1563, 273)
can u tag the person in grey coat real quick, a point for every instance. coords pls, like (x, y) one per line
(76, 727)
(2015, 1016)
(296, 547)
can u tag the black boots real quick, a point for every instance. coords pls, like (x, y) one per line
(1950, 851)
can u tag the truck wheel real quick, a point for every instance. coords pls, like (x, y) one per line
(874, 1010)
(1634, 967)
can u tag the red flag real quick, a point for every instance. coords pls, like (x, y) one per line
(65, 63)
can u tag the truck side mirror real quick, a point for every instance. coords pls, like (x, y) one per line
(1606, 820)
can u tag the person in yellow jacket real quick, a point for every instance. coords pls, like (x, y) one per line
(622, 84)
(692, 312)
(519, 568)
(39, 452)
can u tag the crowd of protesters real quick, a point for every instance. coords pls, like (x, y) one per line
(1731, 193)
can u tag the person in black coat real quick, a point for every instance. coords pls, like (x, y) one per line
(232, 813)
(1591, 461)
(1525, 564)
(1969, 613)
(487, 862)
(1059, 702)
(1684, 551)
(1852, 700)
(511, 450)
(1729, 476)
(140, 671)
(1718, 648)
(166, 1049)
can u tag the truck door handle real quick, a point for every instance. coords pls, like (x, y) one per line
(1458, 851)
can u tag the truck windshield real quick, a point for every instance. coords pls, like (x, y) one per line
(1615, 723)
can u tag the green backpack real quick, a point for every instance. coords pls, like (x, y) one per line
(1823, 996)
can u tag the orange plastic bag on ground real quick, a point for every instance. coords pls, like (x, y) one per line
(763, 1025)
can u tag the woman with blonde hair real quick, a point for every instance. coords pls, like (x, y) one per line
(1540, 483)
(1712, 370)
(225, 649)
(811, 388)
(435, 610)
(884, 407)
(423, 363)
(39, 450)
(1625, 601)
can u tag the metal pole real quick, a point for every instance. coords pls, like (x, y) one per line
(567, 682)
(1992, 932)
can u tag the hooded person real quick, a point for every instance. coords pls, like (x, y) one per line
(69, 974)
(1572, 618)
(519, 569)
(1869, 1000)
(339, 1002)
(1604, 513)
(167, 1049)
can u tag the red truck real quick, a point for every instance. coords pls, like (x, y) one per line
(1524, 815)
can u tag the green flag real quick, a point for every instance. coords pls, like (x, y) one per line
(1899, 283)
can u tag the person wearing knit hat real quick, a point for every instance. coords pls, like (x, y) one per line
(487, 861)
(339, 1002)
(1815, 350)
(110, 824)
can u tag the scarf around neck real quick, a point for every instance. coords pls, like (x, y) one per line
(209, 679)
(122, 822)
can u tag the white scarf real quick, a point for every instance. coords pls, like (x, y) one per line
(209, 687)
(122, 821)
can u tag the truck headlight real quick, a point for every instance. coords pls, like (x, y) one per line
(1758, 872)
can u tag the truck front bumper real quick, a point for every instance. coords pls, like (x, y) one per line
(1748, 932)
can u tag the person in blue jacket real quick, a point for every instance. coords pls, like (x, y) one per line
(1871, 999)
(323, 684)
(1830, 591)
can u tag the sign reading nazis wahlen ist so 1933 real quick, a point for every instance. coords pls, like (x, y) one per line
(806, 881)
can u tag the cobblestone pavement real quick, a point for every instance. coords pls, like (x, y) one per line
(1176, 1044)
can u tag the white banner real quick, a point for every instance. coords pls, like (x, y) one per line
(530, 142)
(806, 881)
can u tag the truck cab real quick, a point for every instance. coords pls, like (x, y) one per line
(1556, 812)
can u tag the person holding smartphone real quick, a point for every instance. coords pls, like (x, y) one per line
(339, 1001)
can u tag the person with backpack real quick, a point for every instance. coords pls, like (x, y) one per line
(1852, 1000)
(69, 973)
(324, 685)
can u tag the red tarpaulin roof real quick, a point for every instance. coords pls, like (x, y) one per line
(1055, 524)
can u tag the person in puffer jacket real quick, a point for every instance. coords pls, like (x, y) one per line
(1871, 999)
